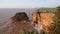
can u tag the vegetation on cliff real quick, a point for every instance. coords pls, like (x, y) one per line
(57, 20)
(20, 16)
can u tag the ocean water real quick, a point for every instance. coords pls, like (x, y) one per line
(5, 22)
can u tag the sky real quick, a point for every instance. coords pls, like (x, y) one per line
(28, 3)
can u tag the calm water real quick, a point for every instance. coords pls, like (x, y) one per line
(5, 22)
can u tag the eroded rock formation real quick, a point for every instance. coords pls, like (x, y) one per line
(21, 20)
(45, 19)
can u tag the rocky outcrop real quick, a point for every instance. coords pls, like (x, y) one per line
(20, 16)
(45, 19)
(21, 20)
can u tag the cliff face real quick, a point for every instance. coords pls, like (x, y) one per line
(45, 19)
(21, 20)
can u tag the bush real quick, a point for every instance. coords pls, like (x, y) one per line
(57, 20)
(33, 32)
(28, 32)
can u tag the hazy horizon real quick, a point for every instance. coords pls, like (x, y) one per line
(29, 3)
